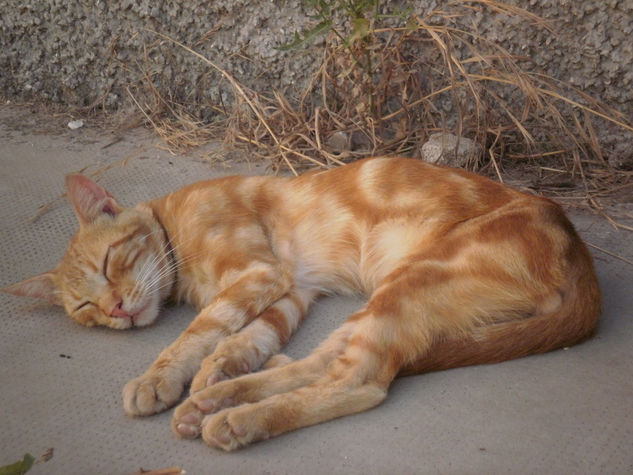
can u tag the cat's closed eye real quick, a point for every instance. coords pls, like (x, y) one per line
(82, 305)
(105, 264)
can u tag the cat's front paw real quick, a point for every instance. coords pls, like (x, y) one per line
(218, 368)
(150, 393)
(234, 356)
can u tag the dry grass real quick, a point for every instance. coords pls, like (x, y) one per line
(387, 92)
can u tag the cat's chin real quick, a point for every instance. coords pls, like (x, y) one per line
(145, 317)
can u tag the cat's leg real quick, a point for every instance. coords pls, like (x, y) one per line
(277, 361)
(354, 381)
(236, 427)
(251, 347)
(412, 308)
(260, 285)
(256, 386)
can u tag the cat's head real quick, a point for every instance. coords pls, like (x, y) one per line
(116, 270)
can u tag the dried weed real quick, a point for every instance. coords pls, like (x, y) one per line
(385, 93)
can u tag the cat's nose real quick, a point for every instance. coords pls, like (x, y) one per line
(118, 312)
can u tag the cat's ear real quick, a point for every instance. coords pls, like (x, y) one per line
(41, 286)
(89, 199)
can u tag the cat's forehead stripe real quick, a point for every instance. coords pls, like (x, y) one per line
(72, 292)
(93, 265)
(128, 261)
(129, 237)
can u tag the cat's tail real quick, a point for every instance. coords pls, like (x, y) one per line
(574, 321)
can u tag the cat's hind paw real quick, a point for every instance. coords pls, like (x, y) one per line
(189, 414)
(150, 394)
(231, 429)
(187, 420)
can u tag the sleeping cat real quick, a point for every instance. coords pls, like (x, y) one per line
(459, 270)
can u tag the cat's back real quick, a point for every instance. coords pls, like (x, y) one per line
(363, 193)
(383, 188)
(373, 189)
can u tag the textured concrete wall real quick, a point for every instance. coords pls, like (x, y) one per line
(593, 49)
(78, 52)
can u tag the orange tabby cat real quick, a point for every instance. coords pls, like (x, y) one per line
(459, 270)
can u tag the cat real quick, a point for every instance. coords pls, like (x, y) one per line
(459, 270)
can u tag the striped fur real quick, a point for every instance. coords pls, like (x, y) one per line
(458, 270)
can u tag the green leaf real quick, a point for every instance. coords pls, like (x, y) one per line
(20, 467)
(359, 30)
(412, 24)
(399, 13)
(308, 36)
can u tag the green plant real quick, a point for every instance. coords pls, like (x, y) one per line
(360, 13)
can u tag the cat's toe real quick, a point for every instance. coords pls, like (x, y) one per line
(225, 430)
(214, 398)
(218, 368)
(187, 419)
(206, 378)
(150, 394)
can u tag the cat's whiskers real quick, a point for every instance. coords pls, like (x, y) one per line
(144, 273)
(152, 274)
(157, 283)
(149, 266)
(167, 269)
(157, 256)
(145, 277)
